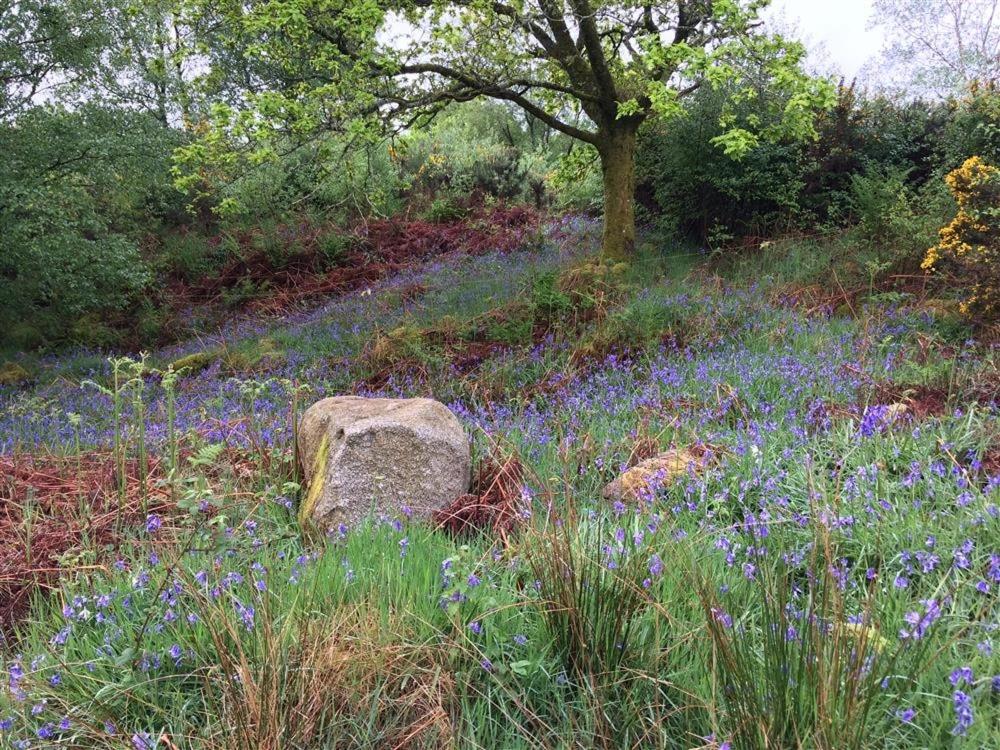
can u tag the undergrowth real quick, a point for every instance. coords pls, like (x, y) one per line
(830, 579)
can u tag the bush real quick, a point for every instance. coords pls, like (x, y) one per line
(190, 256)
(694, 188)
(444, 210)
(78, 192)
(969, 247)
(59, 261)
(894, 219)
(333, 248)
(973, 127)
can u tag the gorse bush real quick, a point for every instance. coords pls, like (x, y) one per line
(969, 247)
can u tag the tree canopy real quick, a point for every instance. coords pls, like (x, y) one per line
(595, 71)
(941, 47)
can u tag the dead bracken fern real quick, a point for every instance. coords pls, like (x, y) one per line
(494, 504)
(50, 505)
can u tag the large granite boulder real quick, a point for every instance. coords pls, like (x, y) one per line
(365, 456)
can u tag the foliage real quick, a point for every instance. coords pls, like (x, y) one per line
(970, 244)
(43, 40)
(356, 72)
(78, 189)
(974, 127)
(895, 219)
(874, 162)
(696, 187)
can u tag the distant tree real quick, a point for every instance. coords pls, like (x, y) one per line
(145, 63)
(593, 69)
(940, 47)
(44, 44)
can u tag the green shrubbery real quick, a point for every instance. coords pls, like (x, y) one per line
(78, 190)
(875, 165)
(91, 220)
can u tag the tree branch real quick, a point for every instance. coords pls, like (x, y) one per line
(474, 87)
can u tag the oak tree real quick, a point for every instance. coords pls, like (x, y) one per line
(595, 70)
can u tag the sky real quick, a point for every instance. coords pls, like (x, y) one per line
(835, 31)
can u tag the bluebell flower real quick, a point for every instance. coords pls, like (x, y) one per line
(963, 713)
(961, 675)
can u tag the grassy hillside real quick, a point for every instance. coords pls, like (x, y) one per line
(824, 573)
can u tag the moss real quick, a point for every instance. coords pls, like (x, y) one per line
(620, 269)
(406, 343)
(196, 362)
(233, 361)
(316, 482)
(262, 353)
(11, 373)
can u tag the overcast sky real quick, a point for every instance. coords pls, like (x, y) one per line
(835, 31)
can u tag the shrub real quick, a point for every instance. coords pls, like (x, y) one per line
(693, 187)
(190, 256)
(78, 189)
(333, 248)
(973, 127)
(443, 210)
(969, 247)
(59, 261)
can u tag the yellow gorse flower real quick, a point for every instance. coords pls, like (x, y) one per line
(971, 241)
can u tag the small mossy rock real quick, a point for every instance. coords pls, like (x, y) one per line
(646, 477)
(263, 355)
(194, 363)
(363, 456)
(11, 373)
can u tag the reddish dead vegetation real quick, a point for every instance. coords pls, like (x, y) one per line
(921, 401)
(991, 461)
(373, 251)
(493, 507)
(501, 228)
(833, 295)
(52, 507)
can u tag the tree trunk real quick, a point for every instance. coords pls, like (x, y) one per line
(617, 151)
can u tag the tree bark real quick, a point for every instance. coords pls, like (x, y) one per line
(617, 151)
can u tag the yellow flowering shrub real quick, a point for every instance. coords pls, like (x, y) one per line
(969, 247)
